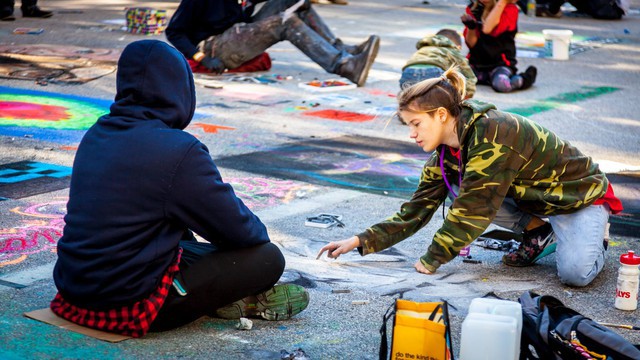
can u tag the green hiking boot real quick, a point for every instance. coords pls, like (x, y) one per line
(535, 245)
(279, 303)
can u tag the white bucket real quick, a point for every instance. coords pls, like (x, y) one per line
(489, 337)
(557, 43)
(491, 330)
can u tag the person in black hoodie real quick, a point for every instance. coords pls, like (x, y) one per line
(128, 261)
(234, 35)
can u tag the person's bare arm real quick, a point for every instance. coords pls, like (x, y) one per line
(493, 19)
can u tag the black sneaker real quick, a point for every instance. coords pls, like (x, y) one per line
(7, 15)
(528, 77)
(356, 67)
(36, 12)
(542, 10)
(279, 303)
(535, 245)
(372, 41)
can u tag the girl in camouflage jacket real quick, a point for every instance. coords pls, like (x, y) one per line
(500, 168)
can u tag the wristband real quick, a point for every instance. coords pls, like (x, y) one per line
(198, 56)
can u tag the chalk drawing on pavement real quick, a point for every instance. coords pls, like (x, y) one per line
(27, 178)
(48, 116)
(557, 101)
(38, 109)
(39, 232)
(210, 128)
(340, 115)
(357, 163)
(259, 193)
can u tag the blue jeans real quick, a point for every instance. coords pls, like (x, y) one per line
(414, 74)
(580, 251)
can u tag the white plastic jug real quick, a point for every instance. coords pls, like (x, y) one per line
(491, 330)
(557, 43)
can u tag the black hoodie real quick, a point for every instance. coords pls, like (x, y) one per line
(139, 182)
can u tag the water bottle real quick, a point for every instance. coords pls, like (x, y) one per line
(627, 286)
(531, 8)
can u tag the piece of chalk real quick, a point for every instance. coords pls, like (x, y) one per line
(244, 324)
(340, 291)
(359, 302)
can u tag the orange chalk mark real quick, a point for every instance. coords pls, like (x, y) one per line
(212, 129)
(14, 261)
(340, 115)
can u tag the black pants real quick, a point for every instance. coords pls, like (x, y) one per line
(304, 29)
(7, 5)
(599, 9)
(214, 278)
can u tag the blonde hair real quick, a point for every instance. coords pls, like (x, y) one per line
(446, 91)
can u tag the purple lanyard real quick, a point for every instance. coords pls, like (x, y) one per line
(446, 182)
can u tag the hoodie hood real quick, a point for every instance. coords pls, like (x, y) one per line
(435, 40)
(154, 82)
(472, 110)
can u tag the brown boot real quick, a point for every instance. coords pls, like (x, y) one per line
(356, 67)
(373, 40)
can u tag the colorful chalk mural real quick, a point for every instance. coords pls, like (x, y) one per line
(43, 227)
(27, 178)
(358, 163)
(28, 108)
(259, 193)
(42, 115)
(39, 233)
(562, 99)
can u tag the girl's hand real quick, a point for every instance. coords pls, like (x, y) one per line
(337, 248)
(469, 21)
(421, 269)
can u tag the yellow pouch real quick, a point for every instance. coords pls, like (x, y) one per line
(420, 331)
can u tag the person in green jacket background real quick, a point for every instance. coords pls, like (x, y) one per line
(500, 168)
(436, 53)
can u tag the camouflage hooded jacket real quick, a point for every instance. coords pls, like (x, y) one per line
(502, 155)
(440, 51)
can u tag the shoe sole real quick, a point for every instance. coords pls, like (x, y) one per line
(371, 57)
(279, 303)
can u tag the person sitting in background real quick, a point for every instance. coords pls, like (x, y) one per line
(29, 9)
(235, 36)
(490, 32)
(436, 54)
(598, 9)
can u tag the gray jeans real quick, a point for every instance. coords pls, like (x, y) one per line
(580, 251)
(304, 29)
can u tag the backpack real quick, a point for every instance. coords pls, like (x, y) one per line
(552, 331)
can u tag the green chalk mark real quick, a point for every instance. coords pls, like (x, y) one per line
(554, 102)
